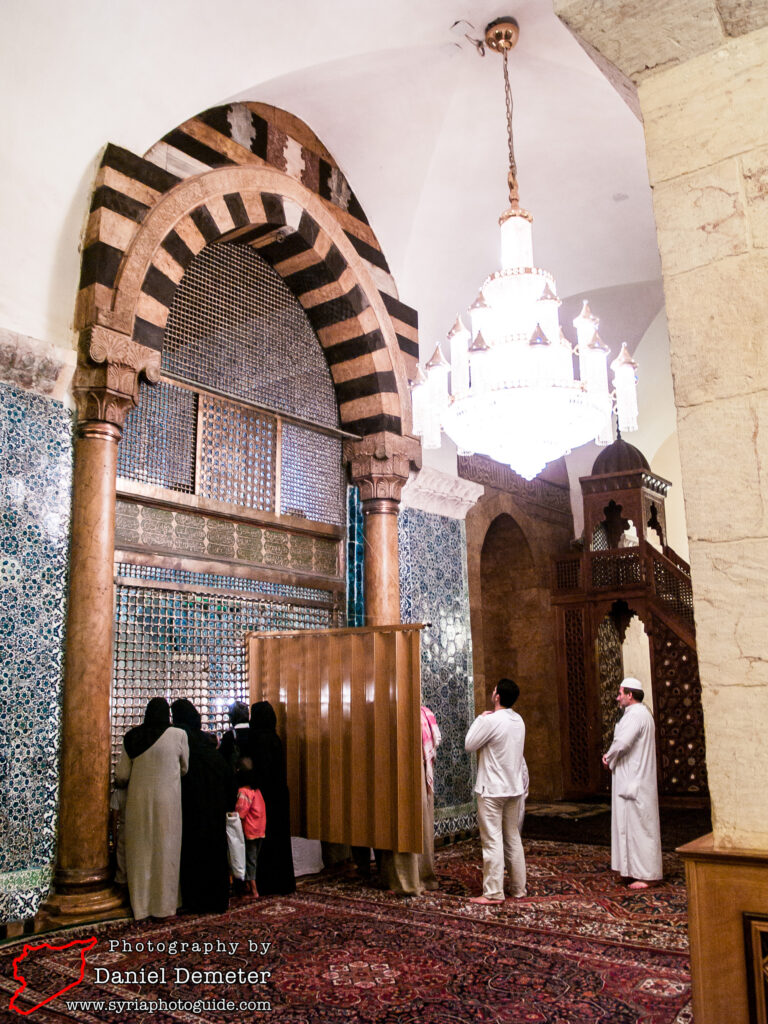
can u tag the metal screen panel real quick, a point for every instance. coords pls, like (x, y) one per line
(237, 454)
(235, 326)
(310, 481)
(218, 582)
(171, 644)
(158, 443)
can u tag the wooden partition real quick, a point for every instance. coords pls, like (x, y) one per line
(347, 704)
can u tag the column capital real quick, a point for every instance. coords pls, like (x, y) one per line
(381, 463)
(106, 381)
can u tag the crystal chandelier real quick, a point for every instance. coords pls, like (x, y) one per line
(513, 393)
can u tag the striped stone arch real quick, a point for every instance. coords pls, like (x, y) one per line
(294, 230)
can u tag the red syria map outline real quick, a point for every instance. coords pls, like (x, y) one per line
(86, 945)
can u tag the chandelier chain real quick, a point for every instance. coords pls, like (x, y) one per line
(512, 177)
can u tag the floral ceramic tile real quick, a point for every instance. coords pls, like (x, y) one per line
(35, 495)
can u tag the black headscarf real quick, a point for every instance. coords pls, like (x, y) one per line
(207, 793)
(186, 716)
(274, 872)
(263, 717)
(157, 718)
(237, 712)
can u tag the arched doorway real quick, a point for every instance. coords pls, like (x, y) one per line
(508, 583)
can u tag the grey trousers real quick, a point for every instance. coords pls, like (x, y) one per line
(498, 818)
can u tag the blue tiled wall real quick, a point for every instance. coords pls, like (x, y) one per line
(355, 558)
(433, 589)
(35, 494)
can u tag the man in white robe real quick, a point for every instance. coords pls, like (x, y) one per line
(635, 831)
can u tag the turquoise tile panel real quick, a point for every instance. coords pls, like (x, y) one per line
(35, 496)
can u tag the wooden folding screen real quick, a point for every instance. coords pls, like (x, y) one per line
(347, 704)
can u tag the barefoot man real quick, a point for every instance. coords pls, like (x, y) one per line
(498, 736)
(635, 833)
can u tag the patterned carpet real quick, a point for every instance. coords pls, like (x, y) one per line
(577, 950)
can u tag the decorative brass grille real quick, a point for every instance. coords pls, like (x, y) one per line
(175, 643)
(158, 443)
(310, 479)
(243, 472)
(578, 730)
(235, 326)
(126, 571)
(236, 338)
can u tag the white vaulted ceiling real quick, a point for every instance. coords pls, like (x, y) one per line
(397, 93)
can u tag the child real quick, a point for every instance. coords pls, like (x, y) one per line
(250, 807)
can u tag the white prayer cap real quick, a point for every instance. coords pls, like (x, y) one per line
(630, 683)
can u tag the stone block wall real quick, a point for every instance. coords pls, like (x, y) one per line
(701, 69)
(706, 125)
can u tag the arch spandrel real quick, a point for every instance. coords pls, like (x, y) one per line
(256, 174)
(277, 215)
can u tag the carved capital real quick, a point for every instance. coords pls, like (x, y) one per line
(103, 345)
(106, 393)
(101, 404)
(381, 463)
(106, 382)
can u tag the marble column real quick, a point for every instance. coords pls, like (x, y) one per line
(104, 395)
(382, 567)
(380, 465)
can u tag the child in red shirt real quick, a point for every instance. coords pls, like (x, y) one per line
(250, 807)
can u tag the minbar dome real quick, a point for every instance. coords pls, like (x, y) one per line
(619, 457)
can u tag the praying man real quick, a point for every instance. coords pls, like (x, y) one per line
(498, 736)
(631, 758)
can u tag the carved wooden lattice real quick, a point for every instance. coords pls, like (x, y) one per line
(611, 673)
(679, 716)
(673, 589)
(578, 735)
(568, 573)
(614, 571)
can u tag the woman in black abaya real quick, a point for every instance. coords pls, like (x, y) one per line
(207, 793)
(275, 867)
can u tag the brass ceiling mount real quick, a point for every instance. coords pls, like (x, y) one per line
(502, 34)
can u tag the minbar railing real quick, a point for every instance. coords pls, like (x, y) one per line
(666, 575)
(671, 585)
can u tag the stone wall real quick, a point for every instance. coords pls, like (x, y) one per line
(707, 135)
(702, 71)
(513, 533)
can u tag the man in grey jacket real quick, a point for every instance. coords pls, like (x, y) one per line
(498, 736)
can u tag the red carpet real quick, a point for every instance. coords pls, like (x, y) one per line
(577, 950)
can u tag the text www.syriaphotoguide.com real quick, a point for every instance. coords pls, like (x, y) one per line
(155, 1005)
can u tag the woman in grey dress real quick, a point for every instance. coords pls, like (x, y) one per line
(155, 756)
